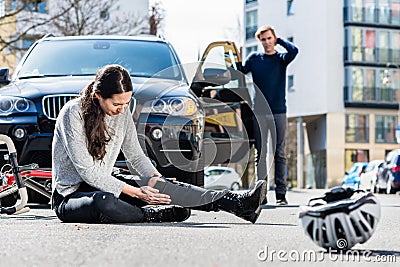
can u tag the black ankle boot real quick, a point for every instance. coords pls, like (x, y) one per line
(165, 214)
(247, 205)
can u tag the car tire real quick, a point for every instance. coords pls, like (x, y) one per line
(235, 186)
(10, 200)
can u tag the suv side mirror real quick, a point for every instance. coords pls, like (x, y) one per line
(217, 76)
(211, 77)
(4, 73)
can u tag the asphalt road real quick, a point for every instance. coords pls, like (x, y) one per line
(38, 238)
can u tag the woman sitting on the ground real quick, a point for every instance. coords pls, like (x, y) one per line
(90, 132)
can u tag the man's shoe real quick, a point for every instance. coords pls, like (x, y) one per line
(281, 202)
(166, 213)
(265, 201)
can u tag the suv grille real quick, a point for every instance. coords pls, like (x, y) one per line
(52, 104)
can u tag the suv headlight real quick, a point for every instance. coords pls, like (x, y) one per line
(11, 105)
(177, 106)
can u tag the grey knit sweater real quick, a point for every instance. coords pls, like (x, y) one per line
(72, 163)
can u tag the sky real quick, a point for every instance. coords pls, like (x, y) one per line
(190, 25)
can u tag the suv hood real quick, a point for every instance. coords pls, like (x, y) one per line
(144, 88)
(37, 87)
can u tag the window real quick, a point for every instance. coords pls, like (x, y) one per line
(370, 85)
(357, 44)
(105, 14)
(251, 24)
(250, 49)
(34, 5)
(2, 8)
(396, 12)
(385, 129)
(370, 45)
(395, 47)
(289, 8)
(357, 128)
(355, 155)
(356, 10)
(384, 11)
(291, 83)
(369, 8)
(367, 85)
(383, 46)
(357, 83)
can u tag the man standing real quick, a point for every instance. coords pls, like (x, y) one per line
(268, 70)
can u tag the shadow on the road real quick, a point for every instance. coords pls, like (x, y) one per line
(211, 225)
(271, 207)
(38, 206)
(28, 217)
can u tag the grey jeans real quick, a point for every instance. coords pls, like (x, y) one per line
(90, 205)
(275, 125)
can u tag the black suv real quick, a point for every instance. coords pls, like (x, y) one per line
(182, 127)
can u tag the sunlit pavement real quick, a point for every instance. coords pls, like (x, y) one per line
(38, 238)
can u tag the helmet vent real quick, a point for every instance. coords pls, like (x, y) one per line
(358, 232)
(310, 228)
(370, 219)
(324, 235)
(339, 230)
(363, 226)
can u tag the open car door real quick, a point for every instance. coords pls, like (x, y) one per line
(221, 86)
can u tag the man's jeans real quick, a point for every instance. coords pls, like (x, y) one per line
(275, 126)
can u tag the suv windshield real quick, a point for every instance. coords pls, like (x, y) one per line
(85, 57)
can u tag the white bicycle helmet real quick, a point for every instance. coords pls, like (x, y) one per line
(340, 221)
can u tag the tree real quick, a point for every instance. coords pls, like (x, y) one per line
(97, 17)
(156, 17)
(30, 21)
(27, 20)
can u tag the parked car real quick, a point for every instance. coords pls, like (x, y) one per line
(177, 120)
(218, 177)
(352, 177)
(369, 177)
(389, 174)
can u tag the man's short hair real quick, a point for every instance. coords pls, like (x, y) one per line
(263, 29)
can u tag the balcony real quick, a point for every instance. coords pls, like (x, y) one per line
(379, 97)
(372, 16)
(357, 54)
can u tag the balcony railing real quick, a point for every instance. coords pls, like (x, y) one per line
(375, 95)
(370, 54)
(370, 16)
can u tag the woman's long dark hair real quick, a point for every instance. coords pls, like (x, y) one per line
(109, 80)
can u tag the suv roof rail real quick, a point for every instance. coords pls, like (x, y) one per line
(162, 37)
(48, 35)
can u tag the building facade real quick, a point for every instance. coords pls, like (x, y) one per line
(343, 88)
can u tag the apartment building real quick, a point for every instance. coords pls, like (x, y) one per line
(343, 88)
